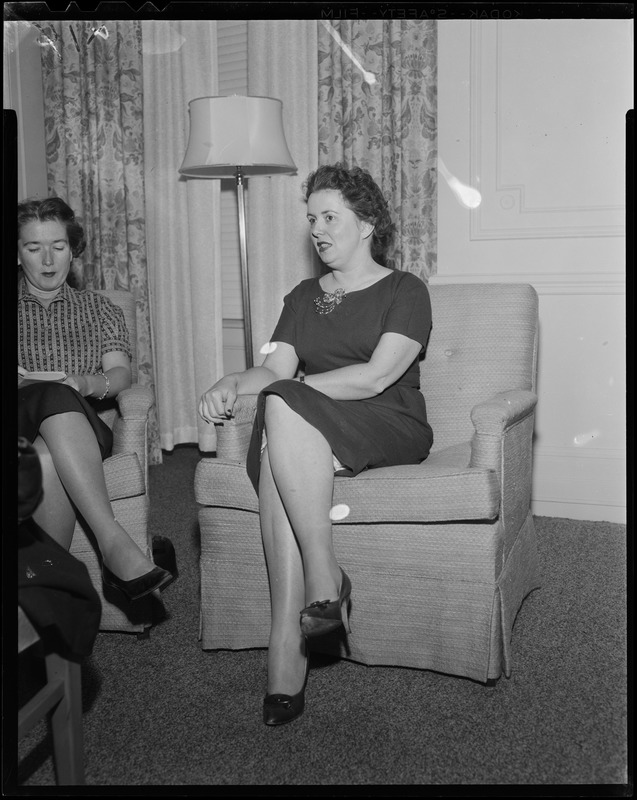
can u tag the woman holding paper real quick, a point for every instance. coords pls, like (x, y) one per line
(74, 348)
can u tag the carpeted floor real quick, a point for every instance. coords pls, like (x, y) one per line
(162, 712)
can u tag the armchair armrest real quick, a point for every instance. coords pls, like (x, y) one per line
(503, 442)
(500, 412)
(233, 435)
(130, 427)
(492, 420)
(135, 402)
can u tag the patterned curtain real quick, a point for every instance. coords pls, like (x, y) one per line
(377, 110)
(93, 90)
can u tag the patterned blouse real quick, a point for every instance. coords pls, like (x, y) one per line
(72, 335)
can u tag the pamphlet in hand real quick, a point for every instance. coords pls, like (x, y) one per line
(24, 375)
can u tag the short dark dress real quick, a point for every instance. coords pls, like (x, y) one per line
(387, 429)
(54, 588)
(41, 399)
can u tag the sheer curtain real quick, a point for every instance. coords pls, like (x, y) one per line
(282, 63)
(183, 222)
(378, 109)
(93, 87)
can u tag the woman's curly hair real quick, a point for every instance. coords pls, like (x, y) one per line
(363, 196)
(53, 208)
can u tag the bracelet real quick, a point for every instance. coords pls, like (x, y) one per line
(108, 386)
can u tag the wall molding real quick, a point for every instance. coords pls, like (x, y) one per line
(573, 451)
(505, 212)
(573, 510)
(579, 482)
(547, 283)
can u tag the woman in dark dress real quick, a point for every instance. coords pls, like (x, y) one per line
(357, 333)
(82, 335)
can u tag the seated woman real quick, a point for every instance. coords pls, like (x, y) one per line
(357, 331)
(82, 334)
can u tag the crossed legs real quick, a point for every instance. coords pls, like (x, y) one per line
(73, 478)
(295, 497)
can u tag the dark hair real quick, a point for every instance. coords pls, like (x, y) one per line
(53, 208)
(363, 196)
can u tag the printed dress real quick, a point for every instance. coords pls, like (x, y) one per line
(70, 336)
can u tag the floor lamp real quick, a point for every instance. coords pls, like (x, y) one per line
(235, 137)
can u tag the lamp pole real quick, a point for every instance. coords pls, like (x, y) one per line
(245, 283)
(237, 136)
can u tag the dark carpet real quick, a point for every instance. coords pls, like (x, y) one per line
(162, 712)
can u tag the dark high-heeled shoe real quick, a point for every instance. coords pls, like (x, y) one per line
(325, 616)
(281, 708)
(156, 578)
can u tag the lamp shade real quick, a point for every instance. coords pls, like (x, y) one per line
(236, 131)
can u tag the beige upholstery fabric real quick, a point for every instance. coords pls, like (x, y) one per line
(442, 554)
(126, 474)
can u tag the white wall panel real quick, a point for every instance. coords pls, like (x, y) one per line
(582, 382)
(548, 123)
(531, 113)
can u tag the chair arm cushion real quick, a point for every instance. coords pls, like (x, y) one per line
(499, 424)
(503, 442)
(124, 476)
(135, 402)
(233, 435)
(494, 416)
(130, 429)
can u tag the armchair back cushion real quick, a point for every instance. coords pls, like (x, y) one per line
(483, 342)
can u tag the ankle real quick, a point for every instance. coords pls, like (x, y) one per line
(123, 557)
(287, 678)
(324, 584)
(286, 664)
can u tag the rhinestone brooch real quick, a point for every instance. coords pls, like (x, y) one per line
(329, 301)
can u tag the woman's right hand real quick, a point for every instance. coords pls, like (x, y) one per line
(217, 403)
(79, 383)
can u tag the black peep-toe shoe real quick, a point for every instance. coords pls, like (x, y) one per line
(325, 616)
(156, 578)
(281, 708)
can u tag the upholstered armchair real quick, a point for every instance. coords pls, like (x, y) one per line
(442, 554)
(126, 472)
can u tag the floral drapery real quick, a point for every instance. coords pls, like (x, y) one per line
(377, 110)
(93, 90)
